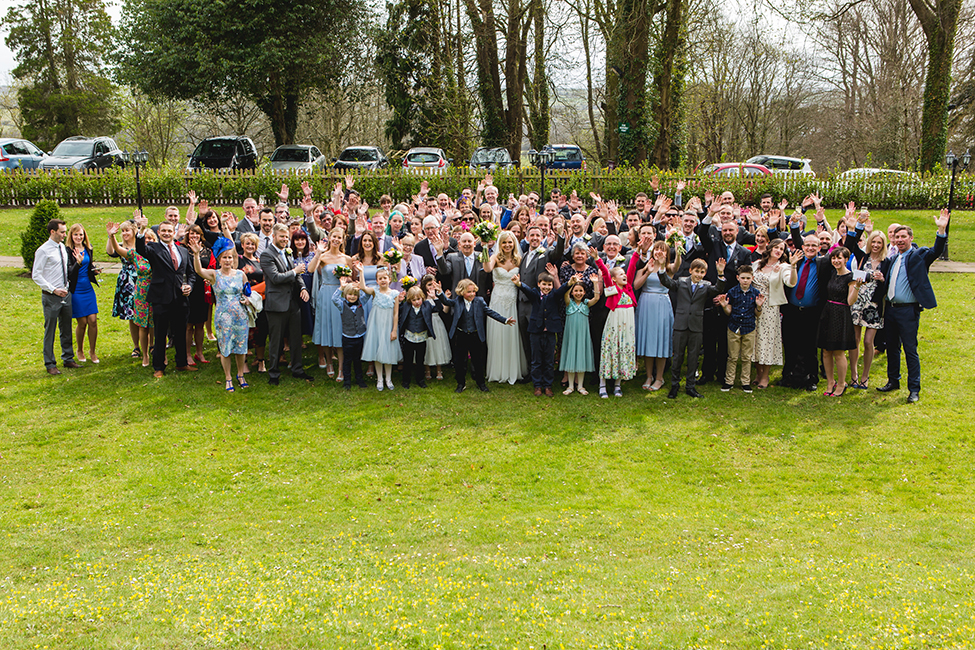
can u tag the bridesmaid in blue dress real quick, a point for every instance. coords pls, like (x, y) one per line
(327, 333)
(81, 284)
(369, 256)
(655, 315)
(381, 344)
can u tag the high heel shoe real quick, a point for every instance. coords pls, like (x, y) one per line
(230, 386)
(243, 382)
(829, 393)
(200, 358)
(260, 366)
(840, 394)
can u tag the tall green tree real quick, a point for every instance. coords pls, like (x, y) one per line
(275, 53)
(60, 46)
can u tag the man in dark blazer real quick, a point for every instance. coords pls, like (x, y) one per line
(800, 316)
(283, 291)
(464, 264)
(468, 333)
(544, 326)
(719, 244)
(908, 292)
(533, 261)
(172, 281)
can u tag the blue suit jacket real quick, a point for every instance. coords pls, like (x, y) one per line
(546, 312)
(426, 312)
(917, 262)
(479, 310)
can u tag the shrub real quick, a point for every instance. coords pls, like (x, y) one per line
(37, 233)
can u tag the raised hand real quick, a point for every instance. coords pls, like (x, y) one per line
(204, 206)
(196, 247)
(424, 188)
(760, 299)
(349, 181)
(489, 179)
(655, 183)
(680, 186)
(322, 247)
(941, 221)
(796, 256)
(783, 204)
(306, 189)
(282, 194)
(721, 263)
(550, 268)
(307, 205)
(708, 197)
(806, 202)
(192, 196)
(593, 253)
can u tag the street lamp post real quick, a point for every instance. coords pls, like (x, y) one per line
(137, 158)
(541, 159)
(953, 162)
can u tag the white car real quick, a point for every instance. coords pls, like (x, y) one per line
(300, 157)
(784, 165)
(429, 160)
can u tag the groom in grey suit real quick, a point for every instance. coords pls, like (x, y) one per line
(283, 289)
(532, 263)
(692, 295)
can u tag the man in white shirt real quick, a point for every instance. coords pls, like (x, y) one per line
(50, 273)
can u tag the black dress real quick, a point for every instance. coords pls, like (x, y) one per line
(836, 324)
(198, 305)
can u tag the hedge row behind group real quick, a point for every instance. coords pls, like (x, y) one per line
(168, 186)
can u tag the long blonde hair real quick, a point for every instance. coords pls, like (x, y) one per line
(72, 230)
(515, 252)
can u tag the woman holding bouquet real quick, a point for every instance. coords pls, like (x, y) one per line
(327, 332)
(411, 265)
(506, 357)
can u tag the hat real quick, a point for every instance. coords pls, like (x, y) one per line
(221, 246)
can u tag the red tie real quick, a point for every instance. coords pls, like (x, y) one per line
(801, 287)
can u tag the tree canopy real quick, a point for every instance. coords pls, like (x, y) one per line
(271, 52)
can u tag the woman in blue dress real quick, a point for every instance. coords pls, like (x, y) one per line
(381, 344)
(81, 284)
(230, 315)
(654, 314)
(371, 259)
(327, 333)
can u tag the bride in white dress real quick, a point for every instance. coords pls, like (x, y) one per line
(505, 357)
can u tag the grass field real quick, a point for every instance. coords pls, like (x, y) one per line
(166, 514)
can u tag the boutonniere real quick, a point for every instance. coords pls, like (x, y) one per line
(619, 259)
(540, 250)
(288, 251)
(587, 237)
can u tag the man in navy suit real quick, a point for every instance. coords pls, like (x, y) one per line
(908, 292)
(172, 281)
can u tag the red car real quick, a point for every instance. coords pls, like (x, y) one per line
(735, 170)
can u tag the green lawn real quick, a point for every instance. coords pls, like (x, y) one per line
(139, 513)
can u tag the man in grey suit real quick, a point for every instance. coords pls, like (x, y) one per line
(692, 295)
(533, 262)
(283, 290)
(464, 264)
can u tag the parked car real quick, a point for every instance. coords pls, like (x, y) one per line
(224, 152)
(426, 160)
(736, 169)
(16, 153)
(361, 158)
(565, 156)
(300, 157)
(80, 152)
(874, 172)
(784, 165)
(490, 158)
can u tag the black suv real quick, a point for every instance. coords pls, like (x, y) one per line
(79, 152)
(224, 152)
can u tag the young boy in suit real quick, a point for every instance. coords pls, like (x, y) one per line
(693, 294)
(467, 333)
(544, 324)
(743, 304)
(415, 327)
(346, 298)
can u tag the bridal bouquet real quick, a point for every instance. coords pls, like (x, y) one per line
(393, 256)
(341, 271)
(676, 241)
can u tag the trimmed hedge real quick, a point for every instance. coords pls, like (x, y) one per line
(168, 186)
(37, 232)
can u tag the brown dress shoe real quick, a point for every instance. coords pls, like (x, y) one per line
(71, 364)
(187, 369)
(538, 391)
(158, 374)
(53, 371)
(548, 392)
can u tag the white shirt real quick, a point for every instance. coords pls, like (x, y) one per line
(50, 271)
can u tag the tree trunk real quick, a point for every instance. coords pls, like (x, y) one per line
(629, 57)
(538, 90)
(939, 20)
(669, 83)
(493, 133)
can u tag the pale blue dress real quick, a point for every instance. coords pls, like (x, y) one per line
(229, 316)
(365, 298)
(577, 353)
(328, 318)
(379, 325)
(654, 320)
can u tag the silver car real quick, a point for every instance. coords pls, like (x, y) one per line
(426, 160)
(299, 157)
(784, 165)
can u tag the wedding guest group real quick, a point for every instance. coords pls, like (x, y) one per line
(508, 293)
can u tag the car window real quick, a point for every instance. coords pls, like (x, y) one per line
(753, 171)
(100, 148)
(419, 157)
(728, 171)
(248, 147)
(32, 150)
(214, 149)
(73, 149)
(315, 153)
(290, 155)
(568, 155)
(359, 155)
(15, 149)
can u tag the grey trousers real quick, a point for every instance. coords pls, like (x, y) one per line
(57, 314)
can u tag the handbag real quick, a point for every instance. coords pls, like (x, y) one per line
(254, 305)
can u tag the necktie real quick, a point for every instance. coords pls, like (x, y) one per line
(801, 287)
(893, 276)
(284, 256)
(64, 265)
(470, 264)
(531, 256)
(172, 253)
(693, 289)
(731, 248)
(267, 241)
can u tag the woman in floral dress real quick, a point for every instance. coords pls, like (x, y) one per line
(140, 312)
